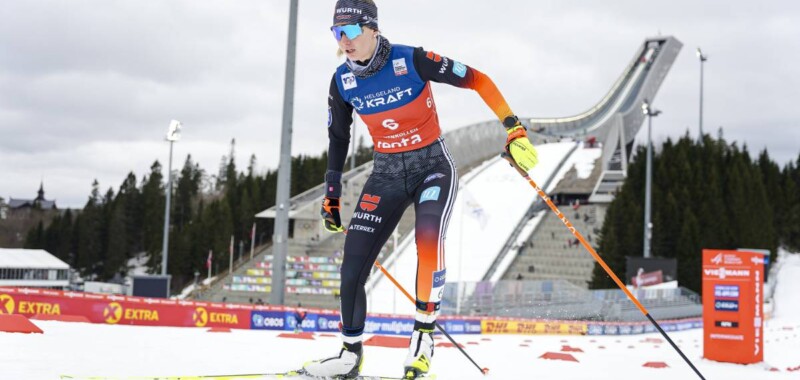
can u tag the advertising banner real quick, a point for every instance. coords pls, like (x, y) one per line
(635, 328)
(642, 271)
(533, 327)
(287, 320)
(458, 326)
(389, 325)
(733, 289)
(122, 310)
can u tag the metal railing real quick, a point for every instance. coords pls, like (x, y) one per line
(559, 299)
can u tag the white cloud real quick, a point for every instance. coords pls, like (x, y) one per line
(89, 86)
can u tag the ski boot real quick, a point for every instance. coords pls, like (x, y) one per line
(346, 365)
(420, 352)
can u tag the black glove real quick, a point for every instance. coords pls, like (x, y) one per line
(330, 215)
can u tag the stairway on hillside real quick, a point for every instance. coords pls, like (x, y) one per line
(257, 274)
(552, 252)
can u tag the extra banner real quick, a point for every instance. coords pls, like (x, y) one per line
(122, 310)
(733, 292)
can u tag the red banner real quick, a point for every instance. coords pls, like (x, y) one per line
(123, 310)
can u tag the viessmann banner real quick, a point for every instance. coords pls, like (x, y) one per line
(733, 289)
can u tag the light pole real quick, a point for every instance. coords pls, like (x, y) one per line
(281, 231)
(703, 59)
(173, 135)
(648, 227)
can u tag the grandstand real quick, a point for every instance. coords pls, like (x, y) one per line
(584, 161)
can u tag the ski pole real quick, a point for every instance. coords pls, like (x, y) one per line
(543, 195)
(402, 289)
(483, 370)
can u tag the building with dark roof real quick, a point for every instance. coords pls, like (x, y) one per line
(38, 202)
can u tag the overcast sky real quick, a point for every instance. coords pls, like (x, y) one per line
(89, 87)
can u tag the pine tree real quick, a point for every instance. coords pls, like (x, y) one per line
(689, 252)
(35, 237)
(117, 254)
(154, 202)
(791, 224)
(89, 234)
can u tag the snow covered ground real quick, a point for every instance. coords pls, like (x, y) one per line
(114, 350)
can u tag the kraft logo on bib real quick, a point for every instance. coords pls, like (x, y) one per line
(349, 81)
(430, 194)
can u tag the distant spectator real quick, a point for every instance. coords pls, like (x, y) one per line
(553, 235)
(251, 300)
(519, 276)
(531, 268)
(259, 302)
(299, 317)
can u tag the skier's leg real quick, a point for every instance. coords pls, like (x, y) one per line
(378, 210)
(433, 205)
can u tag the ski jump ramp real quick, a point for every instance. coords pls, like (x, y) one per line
(488, 204)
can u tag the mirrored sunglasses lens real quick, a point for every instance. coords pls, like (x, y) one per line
(352, 31)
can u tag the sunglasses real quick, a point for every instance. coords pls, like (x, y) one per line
(352, 31)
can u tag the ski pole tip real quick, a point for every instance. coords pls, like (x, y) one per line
(485, 371)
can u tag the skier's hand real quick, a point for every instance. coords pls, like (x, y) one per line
(330, 214)
(518, 146)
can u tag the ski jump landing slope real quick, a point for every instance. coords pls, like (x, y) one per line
(472, 241)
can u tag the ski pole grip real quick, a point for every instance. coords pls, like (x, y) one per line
(507, 156)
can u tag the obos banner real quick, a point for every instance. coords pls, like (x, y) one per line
(733, 289)
(286, 320)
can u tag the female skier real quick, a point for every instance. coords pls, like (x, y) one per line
(388, 86)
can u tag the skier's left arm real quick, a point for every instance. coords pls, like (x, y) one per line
(434, 67)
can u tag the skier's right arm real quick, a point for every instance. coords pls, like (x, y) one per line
(340, 117)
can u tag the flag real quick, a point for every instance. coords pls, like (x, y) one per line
(474, 209)
(208, 260)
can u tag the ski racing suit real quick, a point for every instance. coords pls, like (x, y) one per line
(411, 166)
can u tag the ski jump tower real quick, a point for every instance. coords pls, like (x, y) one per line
(617, 117)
